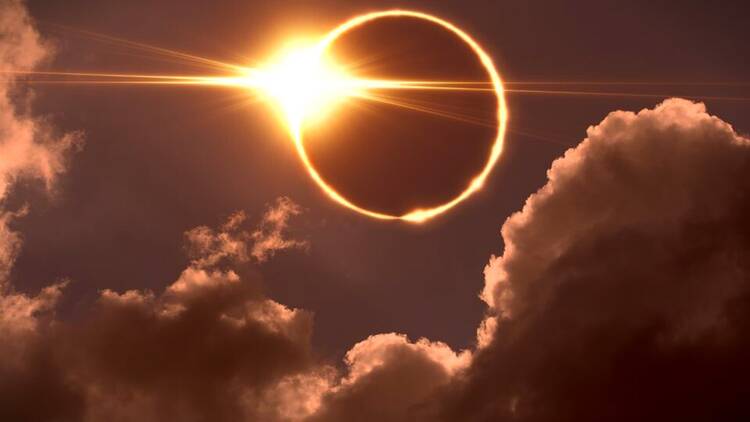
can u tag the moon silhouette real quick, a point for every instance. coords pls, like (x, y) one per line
(417, 215)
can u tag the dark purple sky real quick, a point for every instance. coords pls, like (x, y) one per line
(159, 161)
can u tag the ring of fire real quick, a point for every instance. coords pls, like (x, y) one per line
(417, 215)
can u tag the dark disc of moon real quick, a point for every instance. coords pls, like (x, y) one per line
(421, 153)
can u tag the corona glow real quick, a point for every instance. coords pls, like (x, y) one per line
(308, 82)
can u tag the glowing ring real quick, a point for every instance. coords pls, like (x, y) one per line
(418, 215)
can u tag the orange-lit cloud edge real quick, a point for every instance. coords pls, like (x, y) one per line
(422, 214)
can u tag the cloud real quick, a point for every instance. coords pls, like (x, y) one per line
(233, 244)
(208, 348)
(211, 346)
(623, 293)
(28, 366)
(269, 237)
(389, 378)
(198, 351)
(208, 247)
(30, 148)
(10, 244)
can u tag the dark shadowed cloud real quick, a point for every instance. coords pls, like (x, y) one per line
(211, 346)
(622, 293)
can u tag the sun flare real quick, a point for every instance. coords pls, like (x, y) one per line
(304, 83)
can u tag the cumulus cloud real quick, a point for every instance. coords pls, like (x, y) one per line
(211, 346)
(30, 148)
(623, 293)
(389, 378)
(198, 351)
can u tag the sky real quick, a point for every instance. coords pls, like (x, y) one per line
(165, 255)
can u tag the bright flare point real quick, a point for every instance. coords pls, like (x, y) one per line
(304, 84)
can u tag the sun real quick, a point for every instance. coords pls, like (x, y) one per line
(476, 183)
(304, 83)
